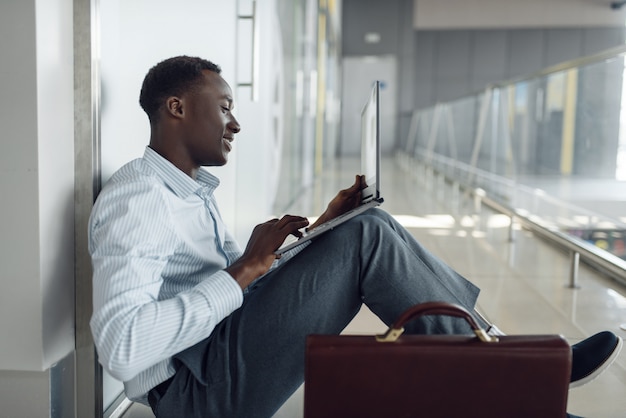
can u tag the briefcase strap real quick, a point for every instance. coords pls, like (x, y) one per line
(434, 308)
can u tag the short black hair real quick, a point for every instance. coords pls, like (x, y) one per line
(171, 77)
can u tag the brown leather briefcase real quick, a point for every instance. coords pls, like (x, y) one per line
(396, 375)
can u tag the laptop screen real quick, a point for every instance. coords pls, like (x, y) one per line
(370, 143)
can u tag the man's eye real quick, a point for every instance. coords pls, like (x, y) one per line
(225, 109)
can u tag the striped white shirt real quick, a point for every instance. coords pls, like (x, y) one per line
(159, 248)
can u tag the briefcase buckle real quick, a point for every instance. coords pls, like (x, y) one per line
(391, 335)
(484, 337)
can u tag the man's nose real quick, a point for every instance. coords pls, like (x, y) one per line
(234, 125)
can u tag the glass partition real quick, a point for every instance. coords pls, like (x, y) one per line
(552, 145)
(310, 35)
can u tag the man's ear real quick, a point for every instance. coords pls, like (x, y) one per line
(175, 106)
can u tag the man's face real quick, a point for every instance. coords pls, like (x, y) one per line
(209, 125)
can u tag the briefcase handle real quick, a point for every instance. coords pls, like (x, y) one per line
(434, 308)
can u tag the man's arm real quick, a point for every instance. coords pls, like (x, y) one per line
(130, 243)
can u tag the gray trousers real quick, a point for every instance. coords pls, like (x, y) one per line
(254, 359)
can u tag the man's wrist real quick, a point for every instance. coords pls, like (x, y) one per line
(244, 272)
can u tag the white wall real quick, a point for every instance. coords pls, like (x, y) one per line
(19, 229)
(36, 213)
(473, 14)
(36, 184)
(55, 123)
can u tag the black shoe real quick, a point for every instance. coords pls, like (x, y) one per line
(591, 357)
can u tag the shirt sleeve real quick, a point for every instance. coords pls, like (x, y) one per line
(130, 240)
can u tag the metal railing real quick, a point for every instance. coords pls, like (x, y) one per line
(579, 250)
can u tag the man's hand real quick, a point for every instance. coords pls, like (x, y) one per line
(259, 253)
(346, 199)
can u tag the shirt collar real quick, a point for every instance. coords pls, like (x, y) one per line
(180, 183)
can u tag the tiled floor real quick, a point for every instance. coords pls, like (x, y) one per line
(523, 282)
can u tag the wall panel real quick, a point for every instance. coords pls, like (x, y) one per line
(489, 14)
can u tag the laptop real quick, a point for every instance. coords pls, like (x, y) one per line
(370, 167)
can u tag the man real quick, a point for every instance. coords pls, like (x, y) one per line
(196, 327)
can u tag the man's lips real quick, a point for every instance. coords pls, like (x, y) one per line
(228, 143)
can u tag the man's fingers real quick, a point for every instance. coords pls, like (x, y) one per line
(292, 222)
(356, 185)
(359, 184)
(291, 225)
(362, 182)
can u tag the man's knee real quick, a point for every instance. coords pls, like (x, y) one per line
(376, 217)
(380, 214)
